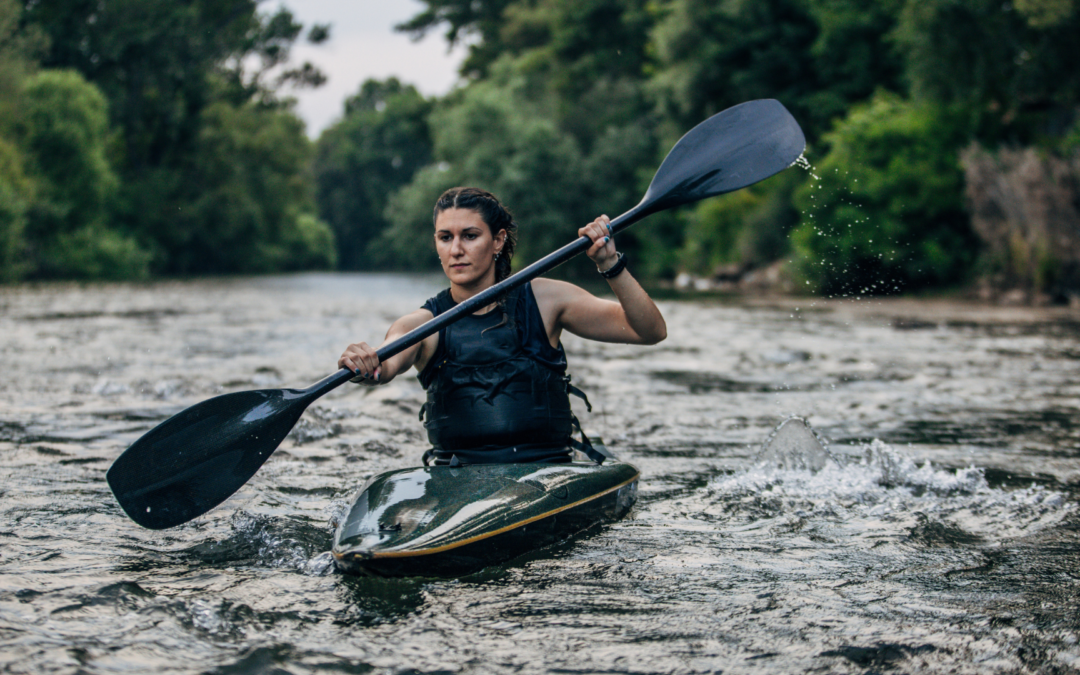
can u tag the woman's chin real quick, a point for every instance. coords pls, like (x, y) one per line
(467, 277)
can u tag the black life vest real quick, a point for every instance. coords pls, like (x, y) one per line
(497, 391)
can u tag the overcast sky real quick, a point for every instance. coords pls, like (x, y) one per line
(363, 44)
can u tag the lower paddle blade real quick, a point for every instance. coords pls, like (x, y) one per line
(196, 459)
(731, 150)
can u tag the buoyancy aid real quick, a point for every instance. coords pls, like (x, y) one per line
(497, 391)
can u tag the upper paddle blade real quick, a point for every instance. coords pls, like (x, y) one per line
(729, 151)
(196, 459)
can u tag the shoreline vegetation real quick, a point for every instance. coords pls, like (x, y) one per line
(142, 139)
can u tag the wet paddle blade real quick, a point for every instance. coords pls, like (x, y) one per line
(731, 150)
(196, 459)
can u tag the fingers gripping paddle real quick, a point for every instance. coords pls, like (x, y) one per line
(196, 459)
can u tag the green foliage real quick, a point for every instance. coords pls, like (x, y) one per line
(886, 214)
(184, 81)
(173, 151)
(570, 77)
(1013, 71)
(94, 252)
(713, 231)
(378, 147)
(249, 206)
(15, 191)
(1046, 13)
(815, 56)
(63, 134)
(495, 139)
(480, 20)
(748, 228)
(495, 136)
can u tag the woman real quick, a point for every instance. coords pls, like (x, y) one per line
(497, 389)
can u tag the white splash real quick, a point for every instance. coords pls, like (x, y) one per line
(886, 492)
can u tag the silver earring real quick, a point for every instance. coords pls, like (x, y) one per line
(497, 255)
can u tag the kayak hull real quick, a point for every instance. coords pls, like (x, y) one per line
(450, 521)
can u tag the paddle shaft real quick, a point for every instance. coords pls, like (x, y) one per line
(483, 298)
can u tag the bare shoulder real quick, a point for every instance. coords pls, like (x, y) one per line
(564, 305)
(555, 293)
(414, 319)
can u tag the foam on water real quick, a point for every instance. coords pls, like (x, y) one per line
(885, 492)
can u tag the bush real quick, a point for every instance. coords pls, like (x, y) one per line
(15, 191)
(749, 228)
(95, 252)
(886, 214)
(309, 244)
(62, 128)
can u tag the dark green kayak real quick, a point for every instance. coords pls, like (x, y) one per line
(449, 521)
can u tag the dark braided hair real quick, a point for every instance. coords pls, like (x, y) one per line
(492, 212)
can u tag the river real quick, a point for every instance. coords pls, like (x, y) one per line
(945, 540)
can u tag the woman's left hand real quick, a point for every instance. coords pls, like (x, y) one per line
(602, 252)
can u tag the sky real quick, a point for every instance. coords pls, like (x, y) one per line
(363, 44)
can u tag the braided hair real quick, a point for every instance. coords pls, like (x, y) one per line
(492, 212)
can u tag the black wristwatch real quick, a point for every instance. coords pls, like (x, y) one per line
(616, 269)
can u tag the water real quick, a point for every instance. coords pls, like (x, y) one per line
(944, 538)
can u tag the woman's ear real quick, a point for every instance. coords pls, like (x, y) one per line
(500, 240)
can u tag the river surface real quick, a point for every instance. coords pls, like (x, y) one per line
(946, 538)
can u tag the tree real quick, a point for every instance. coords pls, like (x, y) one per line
(480, 20)
(16, 189)
(567, 75)
(816, 56)
(1013, 68)
(248, 206)
(166, 69)
(376, 148)
(495, 138)
(63, 133)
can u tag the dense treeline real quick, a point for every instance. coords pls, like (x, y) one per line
(144, 136)
(181, 158)
(566, 107)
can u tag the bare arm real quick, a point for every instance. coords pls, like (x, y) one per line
(362, 359)
(634, 319)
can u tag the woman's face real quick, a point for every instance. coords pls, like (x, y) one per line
(467, 248)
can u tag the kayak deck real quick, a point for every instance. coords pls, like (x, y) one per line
(447, 521)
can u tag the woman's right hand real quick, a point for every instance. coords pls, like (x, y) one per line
(361, 359)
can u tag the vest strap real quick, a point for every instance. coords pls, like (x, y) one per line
(585, 445)
(571, 389)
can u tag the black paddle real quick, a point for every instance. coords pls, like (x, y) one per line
(196, 459)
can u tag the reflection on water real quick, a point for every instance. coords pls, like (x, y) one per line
(945, 538)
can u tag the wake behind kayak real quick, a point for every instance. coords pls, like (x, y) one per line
(449, 521)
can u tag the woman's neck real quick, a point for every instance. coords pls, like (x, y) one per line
(460, 293)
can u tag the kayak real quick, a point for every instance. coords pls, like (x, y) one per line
(450, 521)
